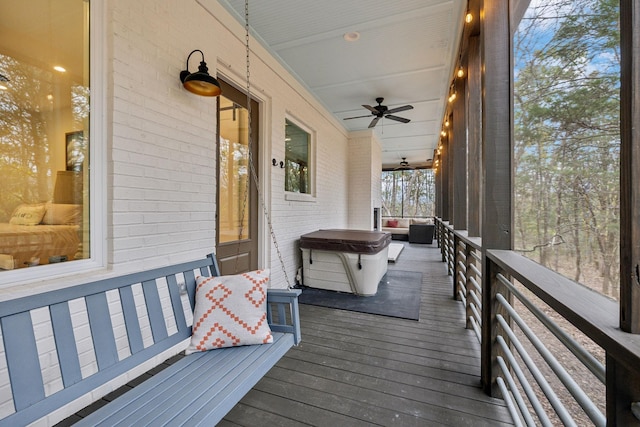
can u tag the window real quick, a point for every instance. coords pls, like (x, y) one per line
(44, 134)
(297, 159)
(408, 193)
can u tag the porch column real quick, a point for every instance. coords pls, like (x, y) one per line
(459, 151)
(497, 171)
(623, 380)
(474, 123)
(444, 177)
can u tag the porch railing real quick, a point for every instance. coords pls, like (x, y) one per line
(532, 307)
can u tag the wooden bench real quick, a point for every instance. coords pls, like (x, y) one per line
(154, 308)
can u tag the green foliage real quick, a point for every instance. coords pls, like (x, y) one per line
(567, 138)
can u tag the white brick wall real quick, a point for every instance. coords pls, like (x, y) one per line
(161, 152)
(163, 149)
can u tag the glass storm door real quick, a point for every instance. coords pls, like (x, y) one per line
(237, 207)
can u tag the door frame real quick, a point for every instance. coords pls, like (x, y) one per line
(263, 161)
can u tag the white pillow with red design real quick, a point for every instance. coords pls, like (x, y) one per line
(230, 311)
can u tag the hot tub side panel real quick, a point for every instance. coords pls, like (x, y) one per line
(344, 272)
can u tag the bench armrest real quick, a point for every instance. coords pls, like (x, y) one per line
(282, 311)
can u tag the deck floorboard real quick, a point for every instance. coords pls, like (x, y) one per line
(356, 369)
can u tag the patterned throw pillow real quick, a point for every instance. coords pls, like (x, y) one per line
(230, 311)
(27, 215)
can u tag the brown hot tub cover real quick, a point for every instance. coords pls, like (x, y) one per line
(354, 241)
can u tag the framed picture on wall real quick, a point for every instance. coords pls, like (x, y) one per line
(76, 150)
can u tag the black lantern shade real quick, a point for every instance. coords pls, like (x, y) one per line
(200, 82)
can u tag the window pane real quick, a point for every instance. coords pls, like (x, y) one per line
(408, 193)
(297, 146)
(234, 174)
(44, 137)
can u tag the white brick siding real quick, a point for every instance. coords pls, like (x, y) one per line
(161, 154)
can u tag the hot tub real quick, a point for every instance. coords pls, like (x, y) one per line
(351, 261)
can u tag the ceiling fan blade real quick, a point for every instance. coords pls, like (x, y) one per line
(370, 108)
(357, 117)
(374, 122)
(398, 119)
(398, 109)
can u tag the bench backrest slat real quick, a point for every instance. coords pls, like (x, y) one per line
(65, 343)
(131, 321)
(154, 310)
(190, 278)
(21, 353)
(104, 341)
(176, 303)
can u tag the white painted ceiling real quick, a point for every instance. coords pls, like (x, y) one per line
(406, 54)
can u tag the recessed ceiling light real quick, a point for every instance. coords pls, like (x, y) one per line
(60, 69)
(351, 36)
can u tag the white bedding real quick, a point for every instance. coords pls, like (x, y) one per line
(35, 244)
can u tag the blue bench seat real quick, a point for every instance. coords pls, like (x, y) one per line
(198, 389)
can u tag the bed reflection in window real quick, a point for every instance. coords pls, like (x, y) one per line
(44, 233)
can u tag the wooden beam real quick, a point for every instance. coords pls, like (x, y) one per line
(474, 130)
(495, 36)
(497, 145)
(459, 148)
(444, 178)
(623, 378)
(630, 166)
(450, 168)
(438, 195)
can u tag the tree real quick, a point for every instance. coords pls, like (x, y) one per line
(567, 65)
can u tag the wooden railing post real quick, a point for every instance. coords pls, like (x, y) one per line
(623, 381)
(623, 388)
(450, 250)
(469, 285)
(456, 258)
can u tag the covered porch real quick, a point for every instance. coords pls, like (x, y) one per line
(362, 369)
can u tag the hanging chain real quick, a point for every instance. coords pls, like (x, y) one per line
(252, 169)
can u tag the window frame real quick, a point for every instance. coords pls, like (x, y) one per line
(311, 195)
(11, 279)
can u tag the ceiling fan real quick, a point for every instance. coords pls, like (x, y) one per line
(380, 111)
(404, 165)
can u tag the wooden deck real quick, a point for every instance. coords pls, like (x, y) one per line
(355, 369)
